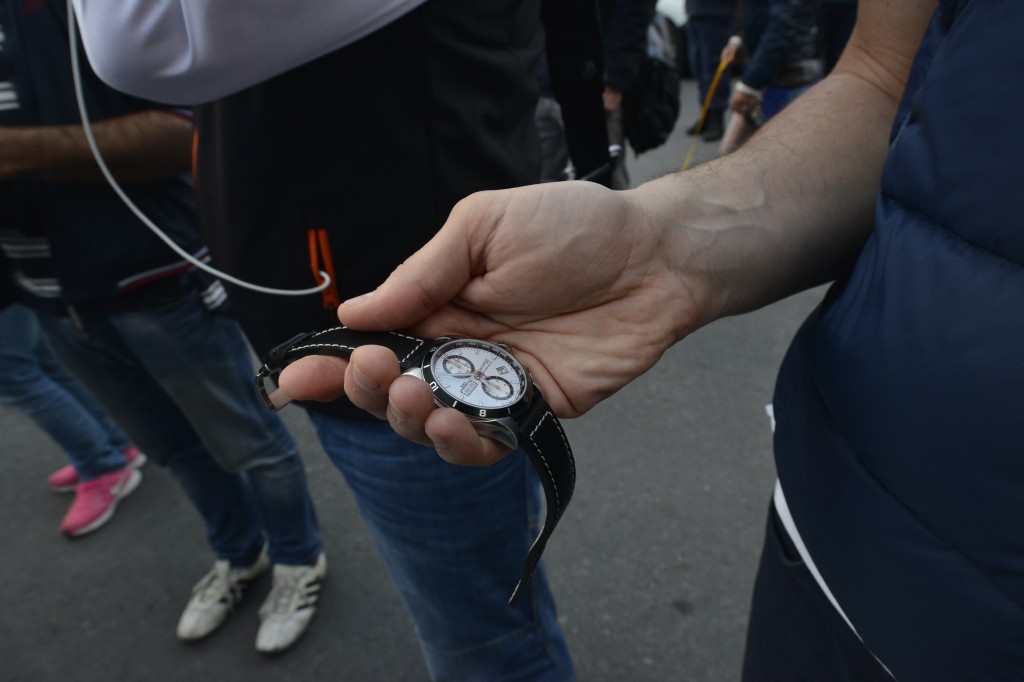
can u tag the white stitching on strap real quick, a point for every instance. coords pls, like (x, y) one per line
(540, 453)
(419, 342)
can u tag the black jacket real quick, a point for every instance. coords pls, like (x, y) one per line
(356, 159)
(75, 243)
(624, 28)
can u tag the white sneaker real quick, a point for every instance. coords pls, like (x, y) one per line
(290, 606)
(214, 597)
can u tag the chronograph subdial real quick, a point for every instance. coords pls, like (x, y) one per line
(497, 388)
(458, 366)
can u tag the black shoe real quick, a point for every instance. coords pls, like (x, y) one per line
(692, 130)
(714, 126)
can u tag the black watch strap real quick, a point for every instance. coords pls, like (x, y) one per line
(339, 341)
(540, 433)
(342, 341)
(545, 443)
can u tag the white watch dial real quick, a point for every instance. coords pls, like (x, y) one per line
(478, 373)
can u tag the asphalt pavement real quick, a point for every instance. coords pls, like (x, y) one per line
(652, 564)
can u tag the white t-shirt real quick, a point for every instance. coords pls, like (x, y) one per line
(194, 51)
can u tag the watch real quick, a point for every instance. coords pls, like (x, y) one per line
(484, 381)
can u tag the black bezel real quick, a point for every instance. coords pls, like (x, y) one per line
(444, 399)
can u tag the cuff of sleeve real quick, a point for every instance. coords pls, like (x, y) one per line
(745, 89)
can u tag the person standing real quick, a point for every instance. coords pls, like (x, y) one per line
(103, 463)
(783, 44)
(709, 23)
(298, 171)
(624, 31)
(893, 545)
(143, 331)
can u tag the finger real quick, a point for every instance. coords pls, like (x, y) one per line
(426, 280)
(371, 371)
(317, 377)
(410, 404)
(457, 442)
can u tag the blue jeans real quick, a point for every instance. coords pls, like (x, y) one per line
(454, 539)
(777, 99)
(177, 378)
(33, 382)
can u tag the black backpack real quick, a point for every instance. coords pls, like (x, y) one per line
(650, 108)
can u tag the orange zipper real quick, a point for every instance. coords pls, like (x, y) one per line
(320, 259)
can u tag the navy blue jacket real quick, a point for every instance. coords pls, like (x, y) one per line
(98, 248)
(778, 33)
(900, 441)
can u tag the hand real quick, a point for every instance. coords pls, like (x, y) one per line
(575, 277)
(732, 49)
(612, 99)
(743, 103)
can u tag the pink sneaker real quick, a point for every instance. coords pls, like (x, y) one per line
(96, 500)
(65, 479)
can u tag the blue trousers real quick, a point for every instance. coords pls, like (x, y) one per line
(454, 539)
(177, 378)
(33, 382)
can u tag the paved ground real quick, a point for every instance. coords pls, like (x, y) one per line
(652, 564)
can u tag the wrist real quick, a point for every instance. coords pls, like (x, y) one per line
(713, 238)
(686, 223)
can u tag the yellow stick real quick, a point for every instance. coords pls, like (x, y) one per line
(722, 66)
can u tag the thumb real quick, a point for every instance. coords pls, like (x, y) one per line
(426, 281)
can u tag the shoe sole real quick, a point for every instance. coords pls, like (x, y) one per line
(127, 489)
(137, 463)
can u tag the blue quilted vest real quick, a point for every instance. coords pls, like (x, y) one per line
(900, 406)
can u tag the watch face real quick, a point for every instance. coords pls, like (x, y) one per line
(478, 377)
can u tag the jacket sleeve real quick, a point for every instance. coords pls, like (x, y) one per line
(193, 51)
(789, 35)
(625, 40)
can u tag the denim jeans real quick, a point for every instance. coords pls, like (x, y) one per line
(33, 382)
(454, 539)
(777, 99)
(177, 378)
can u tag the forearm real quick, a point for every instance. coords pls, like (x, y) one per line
(791, 208)
(137, 148)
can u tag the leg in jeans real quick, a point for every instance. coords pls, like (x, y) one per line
(155, 423)
(201, 360)
(454, 539)
(117, 440)
(32, 381)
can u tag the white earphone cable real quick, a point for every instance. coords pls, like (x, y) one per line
(76, 73)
